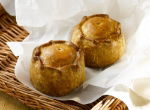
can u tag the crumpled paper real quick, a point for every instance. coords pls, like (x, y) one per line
(54, 20)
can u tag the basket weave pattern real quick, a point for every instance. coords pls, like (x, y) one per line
(10, 31)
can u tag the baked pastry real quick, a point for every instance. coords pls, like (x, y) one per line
(57, 68)
(100, 38)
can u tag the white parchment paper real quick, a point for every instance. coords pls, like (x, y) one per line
(54, 20)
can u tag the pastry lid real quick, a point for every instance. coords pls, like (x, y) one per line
(57, 54)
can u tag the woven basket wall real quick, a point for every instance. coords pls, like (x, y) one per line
(10, 31)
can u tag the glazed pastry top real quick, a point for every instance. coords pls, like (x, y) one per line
(58, 55)
(99, 27)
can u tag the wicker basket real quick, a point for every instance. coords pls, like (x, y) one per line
(10, 31)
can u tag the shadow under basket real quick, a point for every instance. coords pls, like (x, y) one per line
(10, 31)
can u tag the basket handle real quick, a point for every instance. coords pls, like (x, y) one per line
(110, 103)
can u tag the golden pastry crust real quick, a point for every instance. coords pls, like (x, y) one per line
(100, 38)
(57, 68)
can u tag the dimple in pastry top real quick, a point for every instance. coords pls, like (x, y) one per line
(57, 68)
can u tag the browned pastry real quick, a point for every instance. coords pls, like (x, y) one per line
(57, 68)
(100, 38)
